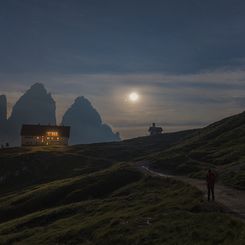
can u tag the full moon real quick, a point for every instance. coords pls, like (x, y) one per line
(133, 97)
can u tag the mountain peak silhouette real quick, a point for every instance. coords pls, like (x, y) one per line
(38, 86)
(36, 106)
(83, 111)
(86, 123)
(3, 108)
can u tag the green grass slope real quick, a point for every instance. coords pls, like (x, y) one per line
(119, 205)
(95, 185)
(220, 146)
(94, 194)
(23, 167)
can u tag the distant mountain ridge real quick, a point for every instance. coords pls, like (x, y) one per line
(36, 106)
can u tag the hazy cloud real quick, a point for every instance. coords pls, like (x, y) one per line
(166, 99)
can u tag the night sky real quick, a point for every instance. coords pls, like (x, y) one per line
(185, 58)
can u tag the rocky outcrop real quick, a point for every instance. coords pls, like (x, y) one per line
(3, 119)
(3, 109)
(86, 124)
(35, 106)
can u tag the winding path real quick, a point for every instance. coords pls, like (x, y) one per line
(232, 199)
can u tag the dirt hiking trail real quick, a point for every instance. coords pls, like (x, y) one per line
(232, 199)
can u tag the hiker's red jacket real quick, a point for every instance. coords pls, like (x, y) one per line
(210, 179)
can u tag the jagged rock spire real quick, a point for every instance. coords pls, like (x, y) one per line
(3, 108)
(86, 123)
(35, 106)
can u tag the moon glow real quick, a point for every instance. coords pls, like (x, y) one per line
(133, 97)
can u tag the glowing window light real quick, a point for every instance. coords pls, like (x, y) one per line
(51, 133)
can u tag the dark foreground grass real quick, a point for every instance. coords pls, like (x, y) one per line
(93, 186)
(146, 210)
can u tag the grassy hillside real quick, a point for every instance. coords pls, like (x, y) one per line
(23, 167)
(115, 206)
(95, 194)
(220, 146)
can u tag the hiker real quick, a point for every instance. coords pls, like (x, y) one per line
(7, 145)
(210, 184)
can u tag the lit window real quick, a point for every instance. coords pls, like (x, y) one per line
(52, 134)
(37, 138)
(58, 138)
(48, 138)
